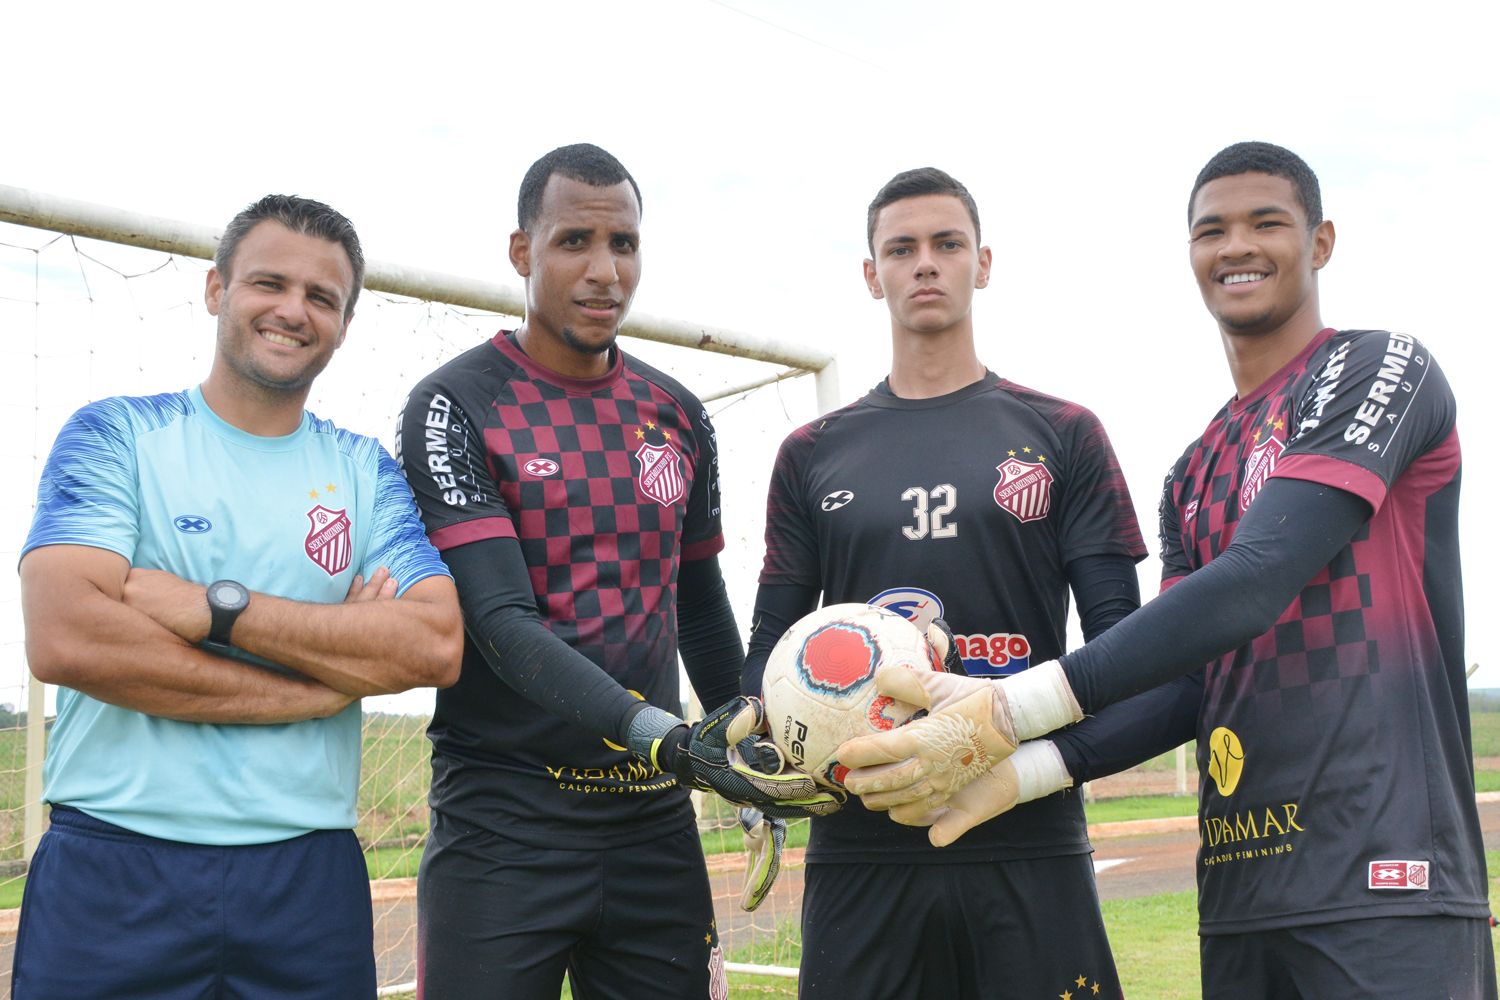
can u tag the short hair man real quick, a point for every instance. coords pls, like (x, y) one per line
(1310, 558)
(202, 805)
(574, 492)
(948, 491)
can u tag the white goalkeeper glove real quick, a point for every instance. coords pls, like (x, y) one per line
(972, 724)
(1034, 771)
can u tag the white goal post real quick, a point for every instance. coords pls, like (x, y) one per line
(75, 218)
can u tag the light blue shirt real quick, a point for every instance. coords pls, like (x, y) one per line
(167, 484)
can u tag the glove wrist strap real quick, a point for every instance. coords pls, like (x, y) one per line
(1040, 700)
(1040, 770)
(649, 731)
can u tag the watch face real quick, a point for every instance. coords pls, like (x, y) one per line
(228, 594)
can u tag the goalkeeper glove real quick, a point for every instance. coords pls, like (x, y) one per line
(720, 754)
(764, 838)
(972, 724)
(1034, 771)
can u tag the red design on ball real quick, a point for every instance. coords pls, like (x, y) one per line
(839, 656)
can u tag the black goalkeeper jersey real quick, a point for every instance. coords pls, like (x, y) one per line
(608, 484)
(967, 506)
(1335, 761)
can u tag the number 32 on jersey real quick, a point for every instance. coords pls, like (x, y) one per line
(932, 511)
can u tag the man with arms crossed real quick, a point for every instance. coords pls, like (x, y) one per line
(202, 805)
(574, 492)
(1310, 559)
(949, 491)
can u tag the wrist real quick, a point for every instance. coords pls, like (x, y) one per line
(1040, 770)
(1040, 700)
(227, 600)
(657, 737)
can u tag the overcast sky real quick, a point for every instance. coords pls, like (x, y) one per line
(758, 131)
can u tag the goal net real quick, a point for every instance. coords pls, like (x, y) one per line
(88, 318)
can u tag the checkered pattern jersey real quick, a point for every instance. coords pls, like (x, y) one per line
(968, 505)
(607, 483)
(1341, 736)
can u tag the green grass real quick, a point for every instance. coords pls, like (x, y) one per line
(1155, 941)
(1140, 807)
(1486, 730)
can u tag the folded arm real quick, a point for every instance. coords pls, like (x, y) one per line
(359, 647)
(80, 634)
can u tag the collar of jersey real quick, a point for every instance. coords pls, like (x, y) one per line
(222, 428)
(1238, 404)
(505, 343)
(881, 395)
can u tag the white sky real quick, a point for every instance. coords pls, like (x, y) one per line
(759, 131)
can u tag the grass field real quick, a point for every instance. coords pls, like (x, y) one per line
(1155, 938)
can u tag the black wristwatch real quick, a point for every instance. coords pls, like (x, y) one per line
(226, 600)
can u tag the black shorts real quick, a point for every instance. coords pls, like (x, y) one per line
(498, 920)
(1008, 930)
(1410, 958)
(113, 915)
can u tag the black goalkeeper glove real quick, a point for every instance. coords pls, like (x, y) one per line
(764, 839)
(721, 755)
(940, 638)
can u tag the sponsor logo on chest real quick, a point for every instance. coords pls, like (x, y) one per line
(1024, 489)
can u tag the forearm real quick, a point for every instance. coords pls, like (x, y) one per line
(500, 614)
(707, 636)
(1293, 530)
(80, 637)
(1106, 589)
(777, 608)
(376, 647)
(1133, 731)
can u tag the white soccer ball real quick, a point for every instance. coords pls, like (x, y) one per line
(819, 684)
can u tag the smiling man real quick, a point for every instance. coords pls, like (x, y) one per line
(950, 491)
(202, 803)
(574, 491)
(1310, 558)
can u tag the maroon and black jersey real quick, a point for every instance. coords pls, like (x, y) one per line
(1334, 751)
(967, 506)
(608, 484)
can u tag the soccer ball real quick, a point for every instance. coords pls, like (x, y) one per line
(819, 684)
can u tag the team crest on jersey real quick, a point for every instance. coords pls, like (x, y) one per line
(718, 975)
(1258, 468)
(541, 467)
(661, 472)
(329, 541)
(1024, 489)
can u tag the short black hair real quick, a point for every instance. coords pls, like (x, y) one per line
(582, 161)
(304, 217)
(911, 184)
(1264, 158)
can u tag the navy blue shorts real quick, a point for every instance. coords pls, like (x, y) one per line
(499, 920)
(1001, 930)
(115, 915)
(1400, 958)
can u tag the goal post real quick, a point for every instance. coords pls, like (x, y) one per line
(435, 297)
